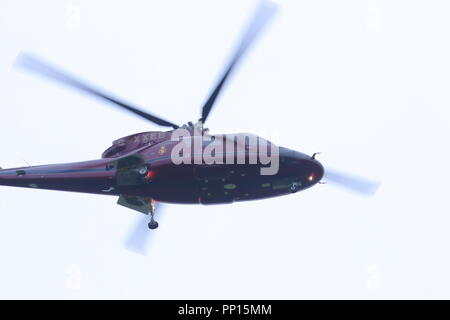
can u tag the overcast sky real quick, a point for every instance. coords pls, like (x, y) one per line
(364, 82)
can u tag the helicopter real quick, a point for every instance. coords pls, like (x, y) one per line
(141, 170)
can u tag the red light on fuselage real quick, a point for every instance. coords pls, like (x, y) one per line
(311, 177)
(149, 174)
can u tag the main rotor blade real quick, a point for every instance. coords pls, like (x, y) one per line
(261, 18)
(355, 184)
(30, 63)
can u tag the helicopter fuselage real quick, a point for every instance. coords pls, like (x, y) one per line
(142, 165)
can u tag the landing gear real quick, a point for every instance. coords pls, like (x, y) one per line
(152, 224)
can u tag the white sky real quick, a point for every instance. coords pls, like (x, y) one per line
(364, 82)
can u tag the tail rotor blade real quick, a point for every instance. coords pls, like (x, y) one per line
(355, 184)
(139, 237)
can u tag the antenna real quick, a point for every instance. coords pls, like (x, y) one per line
(26, 162)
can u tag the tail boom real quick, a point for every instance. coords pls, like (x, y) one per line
(86, 177)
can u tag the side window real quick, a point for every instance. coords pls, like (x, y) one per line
(113, 151)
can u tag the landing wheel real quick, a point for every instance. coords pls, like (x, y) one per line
(153, 224)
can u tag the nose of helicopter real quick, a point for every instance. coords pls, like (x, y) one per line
(314, 171)
(309, 170)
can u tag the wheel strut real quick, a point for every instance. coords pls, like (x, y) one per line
(153, 224)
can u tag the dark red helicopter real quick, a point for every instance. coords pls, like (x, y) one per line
(140, 170)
